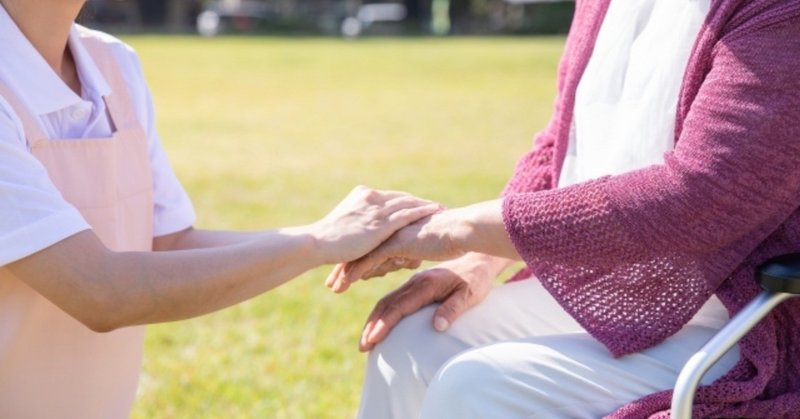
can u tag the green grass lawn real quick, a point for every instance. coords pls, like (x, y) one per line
(267, 132)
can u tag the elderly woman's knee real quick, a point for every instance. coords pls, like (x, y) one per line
(410, 350)
(484, 381)
(406, 338)
(464, 380)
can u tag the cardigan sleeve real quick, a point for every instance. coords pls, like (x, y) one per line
(633, 257)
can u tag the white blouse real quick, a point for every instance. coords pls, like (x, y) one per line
(625, 105)
(33, 215)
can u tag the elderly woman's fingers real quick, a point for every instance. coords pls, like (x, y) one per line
(391, 265)
(421, 290)
(353, 271)
(452, 308)
(337, 270)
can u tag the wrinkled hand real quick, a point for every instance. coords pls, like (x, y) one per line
(436, 237)
(365, 219)
(458, 284)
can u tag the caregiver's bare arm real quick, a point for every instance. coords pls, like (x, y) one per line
(107, 290)
(192, 238)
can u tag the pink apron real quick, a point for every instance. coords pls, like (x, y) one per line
(52, 366)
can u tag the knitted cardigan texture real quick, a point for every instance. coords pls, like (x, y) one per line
(633, 257)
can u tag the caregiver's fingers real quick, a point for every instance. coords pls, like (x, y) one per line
(377, 196)
(403, 217)
(398, 203)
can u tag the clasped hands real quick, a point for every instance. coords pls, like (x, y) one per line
(470, 240)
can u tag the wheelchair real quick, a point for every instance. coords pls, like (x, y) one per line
(779, 279)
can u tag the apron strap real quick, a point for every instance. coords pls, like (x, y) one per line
(32, 130)
(120, 106)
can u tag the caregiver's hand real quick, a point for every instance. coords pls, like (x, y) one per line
(442, 236)
(363, 220)
(458, 284)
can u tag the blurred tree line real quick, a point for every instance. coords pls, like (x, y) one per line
(459, 16)
(174, 15)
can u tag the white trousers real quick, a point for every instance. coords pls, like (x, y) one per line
(519, 354)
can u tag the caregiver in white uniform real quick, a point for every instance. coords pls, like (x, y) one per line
(96, 233)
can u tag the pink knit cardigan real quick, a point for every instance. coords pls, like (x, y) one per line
(633, 257)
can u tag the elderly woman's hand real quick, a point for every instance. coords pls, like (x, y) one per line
(457, 284)
(442, 236)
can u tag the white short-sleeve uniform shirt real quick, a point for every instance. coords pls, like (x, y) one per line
(33, 215)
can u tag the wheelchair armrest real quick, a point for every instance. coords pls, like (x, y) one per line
(780, 279)
(780, 274)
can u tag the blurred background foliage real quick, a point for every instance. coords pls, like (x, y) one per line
(384, 17)
(274, 131)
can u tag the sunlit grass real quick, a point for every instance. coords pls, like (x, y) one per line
(267, 132)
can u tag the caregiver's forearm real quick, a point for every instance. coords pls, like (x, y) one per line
(107, 290)
(192, 238)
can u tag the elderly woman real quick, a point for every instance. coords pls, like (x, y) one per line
(667, 174)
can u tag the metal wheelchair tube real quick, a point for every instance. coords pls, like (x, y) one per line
(697, 366)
